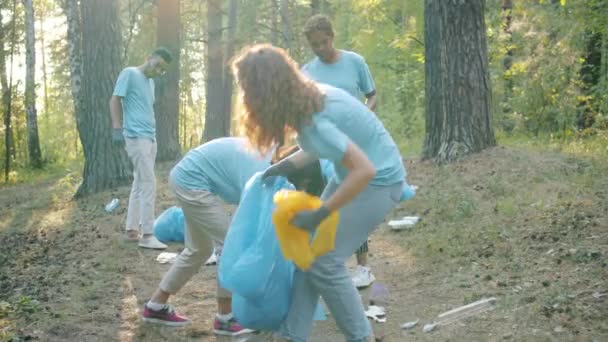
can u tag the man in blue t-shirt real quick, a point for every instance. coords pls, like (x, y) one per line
(348, 71)
(342, 69)
(134, 126)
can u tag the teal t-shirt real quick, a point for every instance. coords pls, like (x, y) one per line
(349, 72)
(137, 92)
(221, 166)
(345, 119)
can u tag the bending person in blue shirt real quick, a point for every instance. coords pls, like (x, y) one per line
(206, 178)
(280, 101)
(132, 114)
(346, 70)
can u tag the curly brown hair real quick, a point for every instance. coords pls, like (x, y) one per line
(318, 23)
(276, 97)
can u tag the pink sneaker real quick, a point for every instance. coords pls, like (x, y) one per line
(229, 328)
(165, 316)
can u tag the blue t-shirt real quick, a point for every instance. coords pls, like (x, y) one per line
(345, 119)
(349, 72)
(221, 166)
(137, 92)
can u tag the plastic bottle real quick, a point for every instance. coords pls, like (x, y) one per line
(113, 204)
(379, 297)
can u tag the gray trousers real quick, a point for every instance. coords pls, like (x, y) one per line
(329, 277)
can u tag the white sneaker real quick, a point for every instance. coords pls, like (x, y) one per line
(363, 277)
(212, 259)
(151, 242)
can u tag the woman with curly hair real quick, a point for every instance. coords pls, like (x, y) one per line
(279, 102)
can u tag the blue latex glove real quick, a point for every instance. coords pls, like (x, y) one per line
(117, 138)
(309, 220)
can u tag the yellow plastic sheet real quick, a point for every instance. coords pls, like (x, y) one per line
(295, 242)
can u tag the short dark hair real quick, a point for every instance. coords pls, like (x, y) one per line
(163, 53)
(318, 23)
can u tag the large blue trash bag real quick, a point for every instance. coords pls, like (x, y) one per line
(170, 225)
(252, 266)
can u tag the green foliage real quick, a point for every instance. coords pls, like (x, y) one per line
(542, 90)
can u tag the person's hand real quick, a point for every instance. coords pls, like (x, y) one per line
(282, 168)
(309, 220)
(117, 138)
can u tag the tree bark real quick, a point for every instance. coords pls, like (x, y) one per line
(7, 95)
(217, 122)
(106, 166)
(6, 103)
(287, 36)
(230, 45)
(44, 72)
(458, 91)
(166, 108)
(33, 140)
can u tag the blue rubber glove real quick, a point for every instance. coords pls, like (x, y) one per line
(309, 220)
(117, 138)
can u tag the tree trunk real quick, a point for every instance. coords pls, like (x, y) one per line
(6, 103)
(106, 166)
(44, 72)
(7, 94)
(217, 122)
(166, 108)
(227, 79)
(274, 30)
(287, 36)
(507, 9)
(315, 7)
(33, 141)
(458, 91)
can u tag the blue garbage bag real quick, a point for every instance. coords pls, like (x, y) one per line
(252, 266)
(170, 225)
(408, 192)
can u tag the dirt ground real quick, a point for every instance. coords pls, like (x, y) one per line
(526, 227)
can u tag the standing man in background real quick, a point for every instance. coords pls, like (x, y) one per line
(134, 126)
(348, 71)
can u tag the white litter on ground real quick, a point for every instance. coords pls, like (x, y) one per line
(462, 312)
(166, 258)
(405, 222)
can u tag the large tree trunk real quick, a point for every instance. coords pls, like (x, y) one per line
(33, 141)
(458, 92)
(166, 108)
(217, 122)
(106, 166)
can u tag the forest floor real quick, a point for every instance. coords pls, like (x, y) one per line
(525, 226)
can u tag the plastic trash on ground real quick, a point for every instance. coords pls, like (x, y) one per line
(295, 242)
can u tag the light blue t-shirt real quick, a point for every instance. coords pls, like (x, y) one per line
(345, 119)
(137, 92)
(221, 166)
(349, 72)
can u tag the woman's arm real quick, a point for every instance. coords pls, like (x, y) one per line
(360, 172)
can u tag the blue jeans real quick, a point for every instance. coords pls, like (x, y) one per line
(329, 276)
